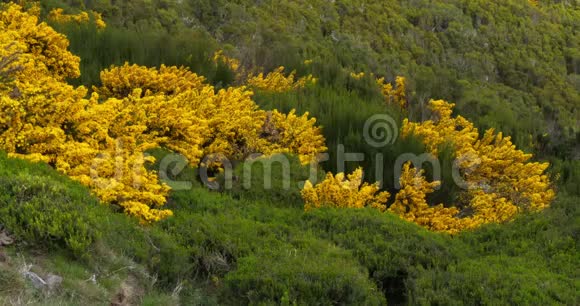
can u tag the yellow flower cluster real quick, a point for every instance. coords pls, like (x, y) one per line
(119, 82)
(48, 47)
(100, 141)
(443, 128)
(396, 95)
(9, 63)
(500, 180)
(58, 16)
(99, 22)
(42, 118)
(276, 81)
(106, 153)
(411, 204)
(294, 134)
(357, 76)
(232, 63)
(341, 192)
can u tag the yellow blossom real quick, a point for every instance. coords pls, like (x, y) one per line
(397, 95)
(276, 81)
(336, 191)
(500, 180)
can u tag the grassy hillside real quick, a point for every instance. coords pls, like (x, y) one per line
(219, 250)
(511, 65)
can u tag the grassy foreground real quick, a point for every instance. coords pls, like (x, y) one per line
(236, 249)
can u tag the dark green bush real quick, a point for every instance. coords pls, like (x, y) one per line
(550, 236)
(262, 253)
(393, 250)
(217, 231)
(317, 275)
(277, 180)
(493, 280)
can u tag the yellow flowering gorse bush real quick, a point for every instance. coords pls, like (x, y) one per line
(397, 95)
(500, 180)
(99, 22)
(276, 81)
(294, 134)
(45, 119)
(232, 63)
(411, 204)
(350, 192)
(58, 16)
(119, 82)
(39, 41)
(490, 163)
(100, 140)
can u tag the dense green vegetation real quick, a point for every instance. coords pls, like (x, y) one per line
(227, 251)
(507, 64)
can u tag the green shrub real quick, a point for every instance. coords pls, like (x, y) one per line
(391, 249)
(277, 180)
(531, 260)
(317, 275)
(550, 237)
(227, 238)
(493, 280)
(216, 236)
(46, 209)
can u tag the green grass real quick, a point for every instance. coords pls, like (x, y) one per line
(10, 281)
(218, 249)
